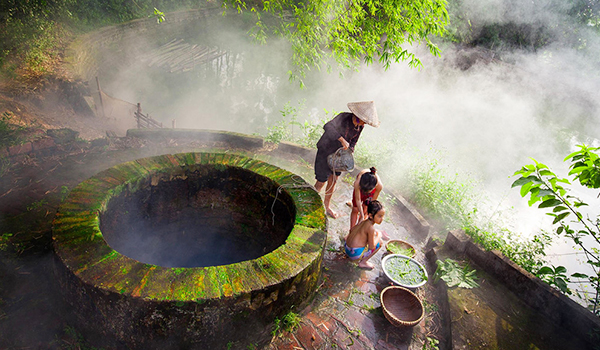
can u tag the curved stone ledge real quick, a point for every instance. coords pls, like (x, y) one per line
(145, 304)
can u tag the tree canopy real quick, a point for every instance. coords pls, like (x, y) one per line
(349, 31)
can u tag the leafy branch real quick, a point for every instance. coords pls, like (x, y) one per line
(544, 186)
(348, 32)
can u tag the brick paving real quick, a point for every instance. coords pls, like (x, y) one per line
(346, 313)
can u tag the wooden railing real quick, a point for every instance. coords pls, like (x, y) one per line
(145, 121)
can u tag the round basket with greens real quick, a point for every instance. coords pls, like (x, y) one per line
(404, 271)
(400, 247)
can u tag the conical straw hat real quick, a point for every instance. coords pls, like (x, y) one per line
(365, 111)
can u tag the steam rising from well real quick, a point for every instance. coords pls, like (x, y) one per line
(488, 111)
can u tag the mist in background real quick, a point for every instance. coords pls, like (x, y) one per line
(483, 107)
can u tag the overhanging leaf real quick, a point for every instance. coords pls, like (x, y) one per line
(549, 203)
(560, 217)
(545, 270)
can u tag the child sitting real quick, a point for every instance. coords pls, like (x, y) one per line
(363, 241)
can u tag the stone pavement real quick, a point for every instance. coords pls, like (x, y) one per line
(345, 312)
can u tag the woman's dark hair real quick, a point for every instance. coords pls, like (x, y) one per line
(374, 207)
(368, 181)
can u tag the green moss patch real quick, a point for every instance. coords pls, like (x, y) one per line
(80, 246)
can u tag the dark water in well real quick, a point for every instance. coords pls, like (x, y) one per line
(197, 237)
(208, 217)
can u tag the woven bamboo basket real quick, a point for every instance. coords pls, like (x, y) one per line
(401, 306)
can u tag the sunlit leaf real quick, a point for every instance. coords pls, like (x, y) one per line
(560, 269)
(577, 170)
(579, 275)
(521, 181)
(545, 270)
(562, 285)
(544, 193)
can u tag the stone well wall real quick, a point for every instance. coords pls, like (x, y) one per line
(149, 306)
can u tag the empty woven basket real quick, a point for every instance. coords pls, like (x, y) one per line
(401, 306)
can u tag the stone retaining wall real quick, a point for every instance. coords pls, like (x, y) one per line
(557, 307)
(47, 143)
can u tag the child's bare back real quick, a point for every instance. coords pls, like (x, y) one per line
(359, 235)
(363, 241)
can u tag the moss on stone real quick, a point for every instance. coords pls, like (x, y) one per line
(79, 242)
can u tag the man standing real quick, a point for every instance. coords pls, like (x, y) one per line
(342, 131)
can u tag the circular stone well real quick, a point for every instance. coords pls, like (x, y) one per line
(190, 250)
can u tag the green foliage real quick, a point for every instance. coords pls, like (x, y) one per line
(455, 201)
(289, 323)
(430, 307)
(555, 276)
(32, 33)
(37, 205)
(454, 275)
(430, 344)
(585, 166)
(529, 254)
(160, 16)
(444, 195)
(348, 32)
(552, 194)
(573, 19)
(73, 340)
(9, 133)
(5, 241)
(64, 192)
(587, 12)
(290, 129)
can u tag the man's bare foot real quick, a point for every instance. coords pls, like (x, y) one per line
(332, 213)
(366, 265)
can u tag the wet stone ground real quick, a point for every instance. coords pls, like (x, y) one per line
(345, 312)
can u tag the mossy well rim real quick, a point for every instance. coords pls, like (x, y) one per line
(80, 246)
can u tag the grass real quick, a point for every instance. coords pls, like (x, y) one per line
(288, 323)
(10, 133)
(5, 241)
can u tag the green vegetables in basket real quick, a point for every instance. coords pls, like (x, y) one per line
(401, 248)
(405, 271)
